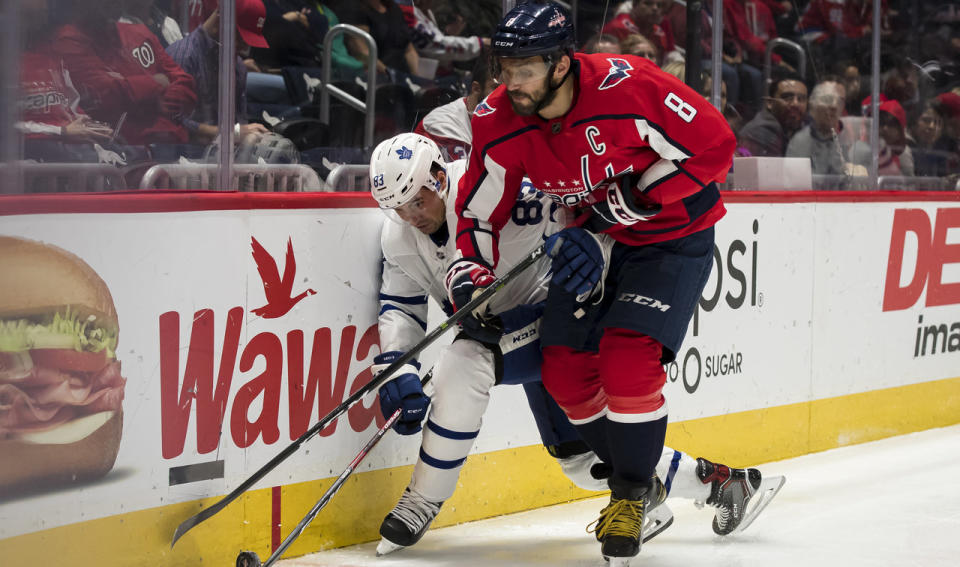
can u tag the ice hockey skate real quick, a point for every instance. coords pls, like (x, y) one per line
(739, 495)
(619, 527)
(656, 519)
(407, 522)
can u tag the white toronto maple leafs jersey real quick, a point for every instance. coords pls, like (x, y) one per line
(414, 265)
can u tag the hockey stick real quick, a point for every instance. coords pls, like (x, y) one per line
(251, 559)
(432, 336)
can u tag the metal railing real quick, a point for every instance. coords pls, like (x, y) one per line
(246, 177)
(768, 58)
(368, 107)
(64, 177)
(349, 177)
(898, 183)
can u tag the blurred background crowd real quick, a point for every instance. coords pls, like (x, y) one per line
(112, 91)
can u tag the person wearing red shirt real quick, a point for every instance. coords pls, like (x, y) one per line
(636, 155)
(645, 18)
(840, 26)
(124, 76)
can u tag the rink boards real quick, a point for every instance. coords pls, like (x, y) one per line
(829, 319)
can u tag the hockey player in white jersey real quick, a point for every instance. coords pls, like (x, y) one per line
(417, 190)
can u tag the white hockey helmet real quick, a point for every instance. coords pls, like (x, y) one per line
(400, 166)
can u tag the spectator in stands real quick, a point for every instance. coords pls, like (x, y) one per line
(294, 30)
(900, 81)
(480, 17)
(49, 103)
(344, 64)
(839, 26)
(602, 43)
(198, 11)
(895, 158)
(784, 14)
(926, 130)
(124, 76)
(782, 115)
(849, 74)
(744, 51)
(152, 15)
(383, 20)
(645, 18)
(949, 142)
(445, 46)
(820, 140)
(676, 18)
(199, 55)
(449, 125)
(636, 44)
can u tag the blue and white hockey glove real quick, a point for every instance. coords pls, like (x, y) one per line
(578, 265)
(620, 206)
(465, 279)
(404, 392)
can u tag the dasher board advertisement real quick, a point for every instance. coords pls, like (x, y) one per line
(153, 355)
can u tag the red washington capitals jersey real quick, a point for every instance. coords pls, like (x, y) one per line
(627, 116)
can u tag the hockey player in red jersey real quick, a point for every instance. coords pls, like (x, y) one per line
(636, 155)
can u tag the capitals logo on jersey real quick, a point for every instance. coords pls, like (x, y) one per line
(483, 109)
(616, 74)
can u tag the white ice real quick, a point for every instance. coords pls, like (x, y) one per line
(894, 502)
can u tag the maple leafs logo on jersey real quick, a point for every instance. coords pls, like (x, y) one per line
(616, 74)
(404, 152)
(483, 109)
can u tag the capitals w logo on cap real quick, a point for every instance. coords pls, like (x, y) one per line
(616, 74)
(483, 109)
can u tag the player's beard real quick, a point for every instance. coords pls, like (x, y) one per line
(529, 105)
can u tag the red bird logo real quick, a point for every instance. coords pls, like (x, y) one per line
(279, 291)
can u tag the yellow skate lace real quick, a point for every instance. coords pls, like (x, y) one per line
(619, 518)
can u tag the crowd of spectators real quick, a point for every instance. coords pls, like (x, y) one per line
(136, 82)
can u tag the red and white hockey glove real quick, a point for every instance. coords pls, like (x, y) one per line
(465, 279)
(620, 206)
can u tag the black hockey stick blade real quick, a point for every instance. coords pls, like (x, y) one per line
(379, 379)
(248, 559)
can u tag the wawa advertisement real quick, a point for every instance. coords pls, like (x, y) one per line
(155, 358)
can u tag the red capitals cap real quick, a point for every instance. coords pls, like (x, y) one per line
(950, 104)
(893, 108)
(251, 15)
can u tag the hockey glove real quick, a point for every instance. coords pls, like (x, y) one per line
(404, 392)
(620, 206)
(465, 279)
(578, 265)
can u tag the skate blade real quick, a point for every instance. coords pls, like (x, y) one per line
(618, 561)
(769, 487)
(386, 547)
(655, 521)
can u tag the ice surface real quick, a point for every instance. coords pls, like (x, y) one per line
(893, 502)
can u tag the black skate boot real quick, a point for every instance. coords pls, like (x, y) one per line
(407, 522)
(619, 526)
(730, 492)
